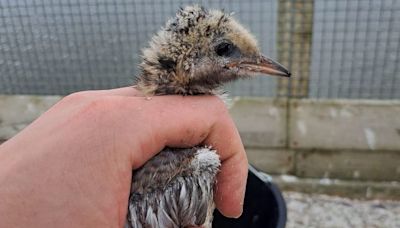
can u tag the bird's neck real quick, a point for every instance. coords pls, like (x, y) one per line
(157, 86)
(150, 88)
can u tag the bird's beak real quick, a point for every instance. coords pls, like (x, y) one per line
(264, 65)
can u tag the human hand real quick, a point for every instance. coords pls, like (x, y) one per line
(72, 167)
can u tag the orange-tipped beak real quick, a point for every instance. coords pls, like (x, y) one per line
(264, 65)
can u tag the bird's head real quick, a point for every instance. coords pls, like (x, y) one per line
(198, 51)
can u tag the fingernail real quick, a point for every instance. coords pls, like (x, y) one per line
(240, 213)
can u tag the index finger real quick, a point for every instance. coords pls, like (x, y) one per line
(190, 121)
(231, 180)
(123, 91)
(129, 91)
(185, 127)
(222, 135)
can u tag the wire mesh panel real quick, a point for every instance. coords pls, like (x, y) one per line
(355, 51)
(334, 48)
(62, 46)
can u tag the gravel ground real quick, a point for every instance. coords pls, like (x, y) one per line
(309, 211)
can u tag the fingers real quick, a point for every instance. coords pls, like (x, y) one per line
(173, 121)
(178, 121)
(231, 180)
(124, 91)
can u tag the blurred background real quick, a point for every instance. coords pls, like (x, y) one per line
(335, 48)
(333, 128)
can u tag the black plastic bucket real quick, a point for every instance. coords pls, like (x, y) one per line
(264, 206)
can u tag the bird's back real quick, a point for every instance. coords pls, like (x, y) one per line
(174, 189)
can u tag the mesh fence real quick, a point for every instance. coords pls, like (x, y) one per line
(356, 49)
(335, 48)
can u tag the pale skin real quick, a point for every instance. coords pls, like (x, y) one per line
(72, 167)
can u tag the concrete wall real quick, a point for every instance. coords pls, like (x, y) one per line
(345, 124)
(337, 139)
(345, 139)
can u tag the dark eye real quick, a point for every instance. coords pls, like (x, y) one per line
(224, 49)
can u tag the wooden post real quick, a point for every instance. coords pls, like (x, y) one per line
(295, 24)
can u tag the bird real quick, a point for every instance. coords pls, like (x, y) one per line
(195, 53)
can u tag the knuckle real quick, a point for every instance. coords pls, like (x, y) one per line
(99, 108)
(220, 106)
(100, 105)
(77, 97)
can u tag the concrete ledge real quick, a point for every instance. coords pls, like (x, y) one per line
(355, 165)
(261, 121)
(346, 165)
(16, 112)
(352, 189)
(345, 124)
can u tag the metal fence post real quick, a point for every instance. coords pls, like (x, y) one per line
(295, 24)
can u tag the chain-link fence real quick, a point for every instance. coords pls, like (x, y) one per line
(335, 48)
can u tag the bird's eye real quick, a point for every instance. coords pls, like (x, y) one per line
(224, 49)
